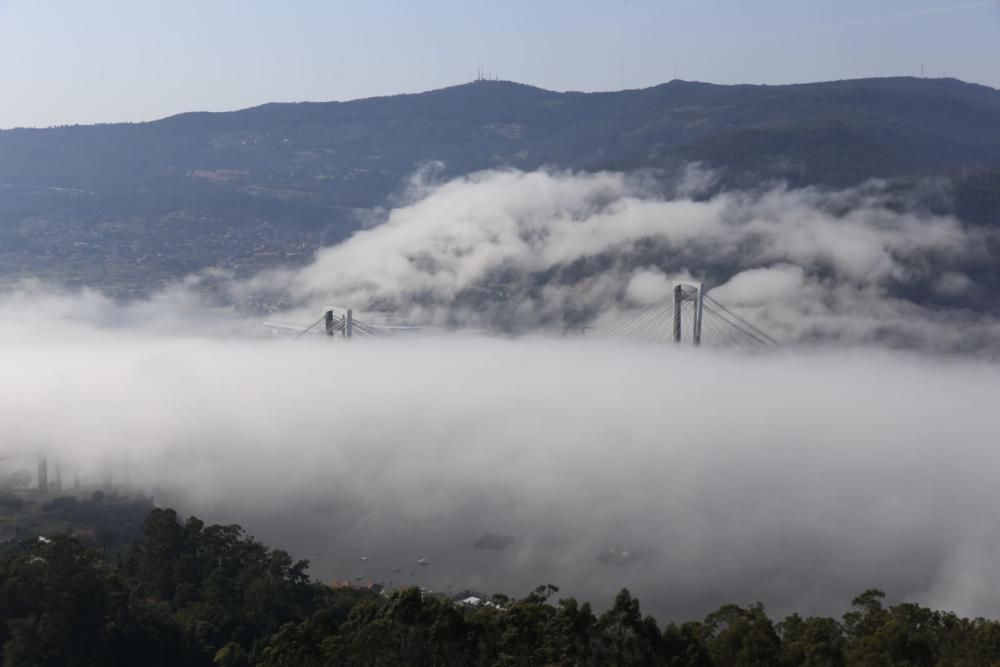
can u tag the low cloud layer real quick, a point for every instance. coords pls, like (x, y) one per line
(796, 479)
(521, 251)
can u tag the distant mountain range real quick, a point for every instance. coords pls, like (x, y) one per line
(294, 175)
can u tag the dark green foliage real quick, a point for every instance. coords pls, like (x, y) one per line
(191, 594)
(744, 637)
(813, 641)
(185, 594)
(109, 522)
(219, 585)
(54, 599)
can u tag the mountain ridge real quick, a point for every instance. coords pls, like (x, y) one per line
(505, 82)
(305, 169)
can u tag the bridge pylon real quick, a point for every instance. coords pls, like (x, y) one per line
(344, 325)
(693, 292)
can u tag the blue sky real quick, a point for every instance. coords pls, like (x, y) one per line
(84, 61)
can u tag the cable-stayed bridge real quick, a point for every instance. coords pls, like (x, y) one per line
(339, 322)
(344, 325)
(686, 315)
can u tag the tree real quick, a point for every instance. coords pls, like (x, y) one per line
(743, 637)
(813, 642)
(231, 655)
(625, 637)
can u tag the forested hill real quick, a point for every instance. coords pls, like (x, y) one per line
(213, 189)
(353, 153)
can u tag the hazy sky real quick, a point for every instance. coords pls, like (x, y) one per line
(69, 61)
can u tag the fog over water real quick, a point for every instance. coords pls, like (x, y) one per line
(798, 477)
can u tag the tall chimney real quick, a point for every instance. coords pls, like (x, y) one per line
(43, 475)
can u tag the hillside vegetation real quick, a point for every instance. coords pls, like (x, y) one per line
(129, 205)
(187, 593)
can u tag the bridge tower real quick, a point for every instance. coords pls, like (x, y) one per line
(345, 327)
(684, 292)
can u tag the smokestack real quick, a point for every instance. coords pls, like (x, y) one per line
(43, 475)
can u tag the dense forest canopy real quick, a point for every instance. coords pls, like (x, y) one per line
(187, 593)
